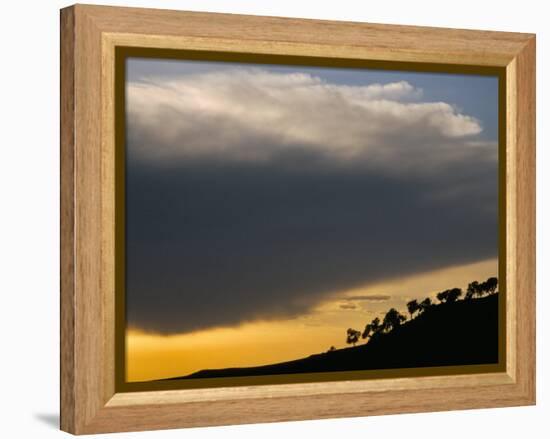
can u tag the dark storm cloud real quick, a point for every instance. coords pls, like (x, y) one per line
(231, 220)
(210, 247)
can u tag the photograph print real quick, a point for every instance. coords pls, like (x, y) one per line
(287, 220)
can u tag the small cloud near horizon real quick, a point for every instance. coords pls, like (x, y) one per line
(348, 306)
(371, 297)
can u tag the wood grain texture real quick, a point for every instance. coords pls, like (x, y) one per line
(511, 212)
(67, 235)
(525, 218)
(377, 41)
(90, 328)
(89, 35)
(321, 388)
(108, 262)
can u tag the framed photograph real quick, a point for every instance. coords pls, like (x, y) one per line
(268, 219)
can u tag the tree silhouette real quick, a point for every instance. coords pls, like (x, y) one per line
(353, 336)
(491, 285)
(483, 288)
(366, 331)
(375, 325)
(454, 294)
(376, 328)
(449, 296)
(392, 320)
(412, 307)
(480, 289)
(425, 304)
(474, 289)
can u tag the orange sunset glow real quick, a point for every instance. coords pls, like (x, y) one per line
(151, 356)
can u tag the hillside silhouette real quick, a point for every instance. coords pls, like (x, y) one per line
(454, 332)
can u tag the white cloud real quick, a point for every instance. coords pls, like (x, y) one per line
(254, 115)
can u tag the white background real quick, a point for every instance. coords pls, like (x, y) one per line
(29, 217)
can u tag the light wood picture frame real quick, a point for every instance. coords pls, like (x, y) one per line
(92, 399)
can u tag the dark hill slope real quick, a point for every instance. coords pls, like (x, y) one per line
(460, 333)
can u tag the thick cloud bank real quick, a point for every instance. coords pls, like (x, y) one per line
(252, 194)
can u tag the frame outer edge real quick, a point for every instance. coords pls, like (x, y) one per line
(83, 323)
(67, 232)
(526, 219)
(83, 352)
(91, 351)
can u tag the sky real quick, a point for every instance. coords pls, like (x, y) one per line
(269, 208)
